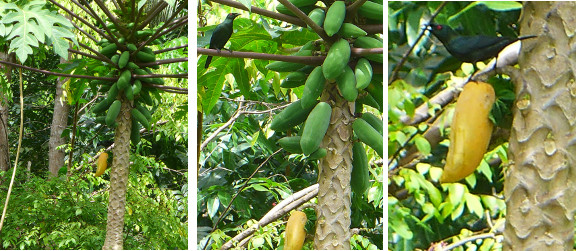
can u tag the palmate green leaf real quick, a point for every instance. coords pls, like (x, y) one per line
(32, 24)
(59, 41)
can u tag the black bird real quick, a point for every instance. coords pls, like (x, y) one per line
(471, 49)
(221, 34)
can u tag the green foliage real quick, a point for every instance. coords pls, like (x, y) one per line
(422, 212)
(71, 213)
(247, 146)
(28, 25)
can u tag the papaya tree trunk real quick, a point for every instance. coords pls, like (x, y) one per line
(333, 212)
(59, 123)
(119, 178)
(540, 187)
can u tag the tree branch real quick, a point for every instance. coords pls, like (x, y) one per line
(310, 60)
(275, 213)
(163, 61)
(170, 49)
(81, 19)
(405, 57)
(319, 30)
(168, 88)
(241, 189)
(56, 73)
(181, 75)
(263, 12)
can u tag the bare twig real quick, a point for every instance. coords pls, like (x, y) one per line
(405, 57)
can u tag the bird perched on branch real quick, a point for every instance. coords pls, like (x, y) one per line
(221, 34)
(471, 49)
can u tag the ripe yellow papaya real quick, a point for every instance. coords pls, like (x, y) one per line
(295, 232)
(101, 164)
(470, 131)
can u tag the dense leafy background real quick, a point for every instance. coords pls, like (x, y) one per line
(421, 211)
(236, 152)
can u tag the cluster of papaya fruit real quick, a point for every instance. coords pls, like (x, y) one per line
(356, 84)
(127, 55)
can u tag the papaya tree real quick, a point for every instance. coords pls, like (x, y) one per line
(324, 60)
(119, 62)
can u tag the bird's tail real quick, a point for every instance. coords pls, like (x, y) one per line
(208, 60)
(526, 37)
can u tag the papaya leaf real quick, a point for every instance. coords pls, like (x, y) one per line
(30, 25)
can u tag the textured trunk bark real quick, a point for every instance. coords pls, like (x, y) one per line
(59, 123)
(540, 187)
(4, 144)
(4, 150)
(119, 179)
(333, 212)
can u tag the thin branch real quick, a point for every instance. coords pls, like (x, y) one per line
(164, 88)
(80, 19)
(110, 38)
(355, 5)
(163, 61)
(81, 6)
(228, 123)
(110, 16)
(405, 57)
(86, 54)
(97, 53)
(310, 60)
(160, 5)
(56, 73)
(469, 239)
(362, 51)
(182, 75)
(372, 28)
(170, 49)
(84, 32)
(161, 32)
(240, 190)
(275, 213)
(167, 23)
(167, 88)
(119, 6)
(17, 153)
(315, 27)
(263, 12)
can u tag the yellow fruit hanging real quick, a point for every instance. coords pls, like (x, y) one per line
(470, 131)
(295, 232)
(101, 164)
